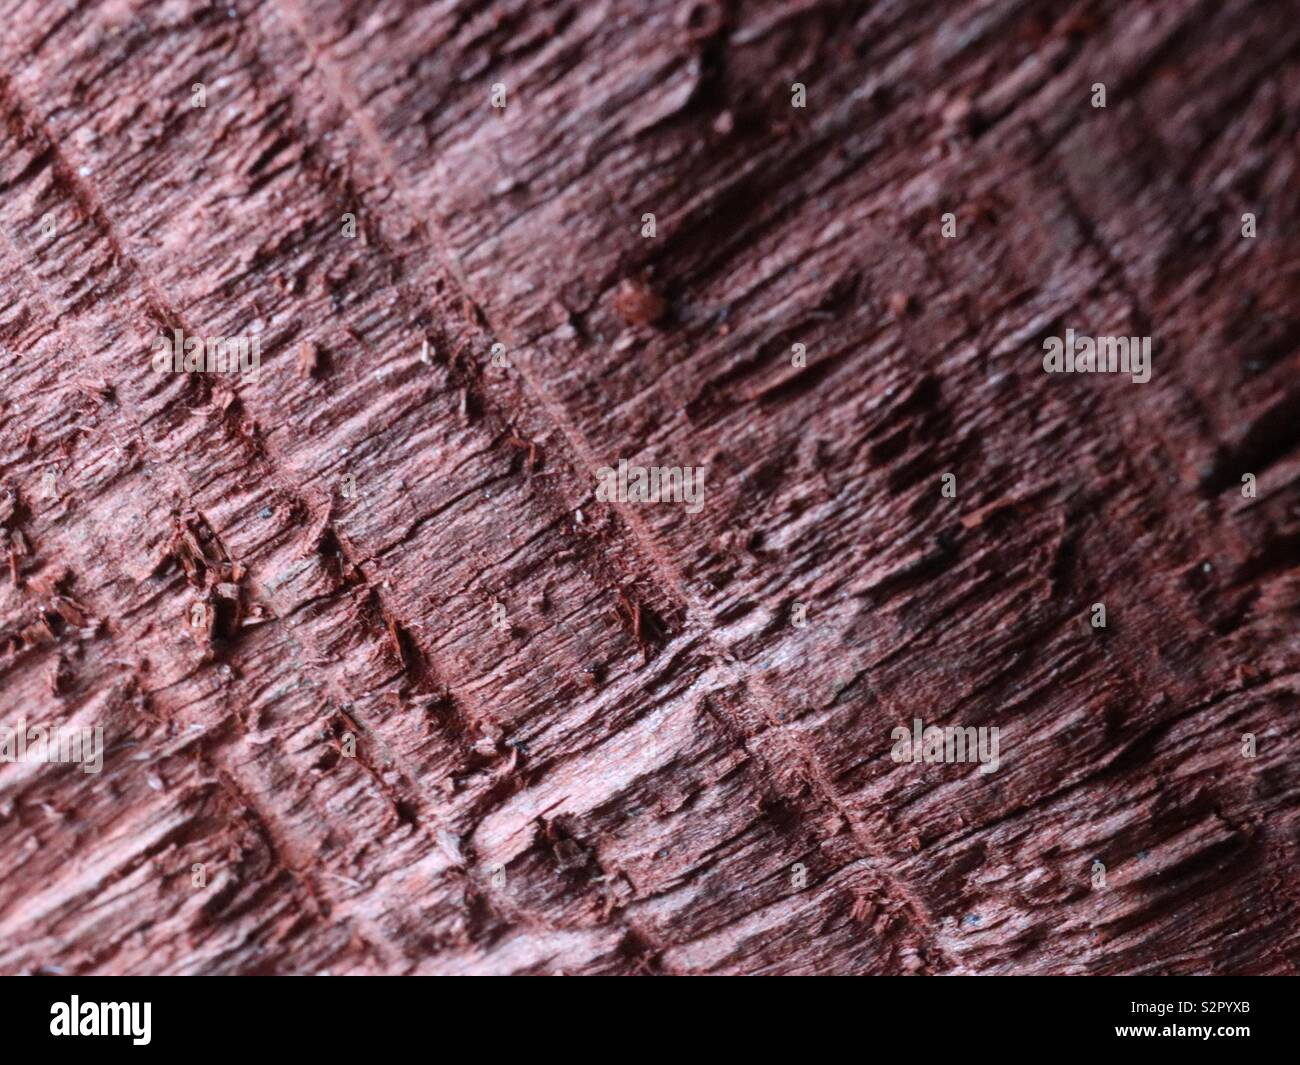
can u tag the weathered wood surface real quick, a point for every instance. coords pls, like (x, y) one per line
(650, 746)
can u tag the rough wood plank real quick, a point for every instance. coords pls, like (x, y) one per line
(590, 737)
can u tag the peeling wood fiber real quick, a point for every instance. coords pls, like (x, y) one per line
(384, 686)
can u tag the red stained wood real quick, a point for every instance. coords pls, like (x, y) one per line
(444, 712)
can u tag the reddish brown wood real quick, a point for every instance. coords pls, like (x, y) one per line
(633, 765)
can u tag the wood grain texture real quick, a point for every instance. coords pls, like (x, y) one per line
(622, 777)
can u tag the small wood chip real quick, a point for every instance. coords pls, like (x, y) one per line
(308, 359)
(637, 303)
